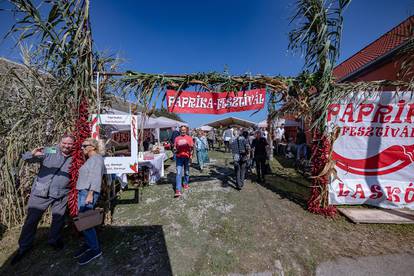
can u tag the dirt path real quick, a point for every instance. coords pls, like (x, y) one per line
(215, 230)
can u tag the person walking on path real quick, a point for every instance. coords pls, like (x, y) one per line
(211, 138)
(260, 146)
(184, 151)
(228, 137)
(301, 145)
(241, 150)
(201, 146)
(89, 187)
(279, 135)
(175, 133)
(50, 188)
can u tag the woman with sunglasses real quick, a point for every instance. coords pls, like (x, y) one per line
(89, 188)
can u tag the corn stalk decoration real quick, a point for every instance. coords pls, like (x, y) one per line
(317, 35)
(149, 89)
(44, 101)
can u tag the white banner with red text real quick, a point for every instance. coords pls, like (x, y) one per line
(374, 152)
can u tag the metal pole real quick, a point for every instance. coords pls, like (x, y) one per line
(98, 97)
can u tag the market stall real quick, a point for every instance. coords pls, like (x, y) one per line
(155, 165)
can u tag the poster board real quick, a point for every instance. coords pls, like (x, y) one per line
(374, 152)
(119, 133)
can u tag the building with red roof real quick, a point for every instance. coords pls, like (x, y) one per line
(381, 59)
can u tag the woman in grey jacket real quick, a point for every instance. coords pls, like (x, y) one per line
(89, 188)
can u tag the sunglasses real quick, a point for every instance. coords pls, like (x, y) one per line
(85, 145)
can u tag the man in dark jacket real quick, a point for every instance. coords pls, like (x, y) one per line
(175, 133)
(241, 150)
(260, 147)
(301, 145)
(50, 188)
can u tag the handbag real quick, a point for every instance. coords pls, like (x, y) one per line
(89, 219)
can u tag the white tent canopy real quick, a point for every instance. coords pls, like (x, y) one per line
(206, 128)
(262, 123)
(149, 122)
(231, 121)
(279, 122)
(164, 122)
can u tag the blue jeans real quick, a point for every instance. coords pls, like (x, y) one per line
(299, 149)
(200, 158)
(90, 236)
(182, 162)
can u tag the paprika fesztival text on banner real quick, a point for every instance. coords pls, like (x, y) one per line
(215, 102)
(374, 153)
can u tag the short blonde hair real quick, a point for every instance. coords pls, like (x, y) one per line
(97, 144)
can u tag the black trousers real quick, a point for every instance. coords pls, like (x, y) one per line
(210, 144)
(227, 146)
(260, 167)
(37, 206)
(240, 170)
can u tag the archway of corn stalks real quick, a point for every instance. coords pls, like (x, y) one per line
(65, 52)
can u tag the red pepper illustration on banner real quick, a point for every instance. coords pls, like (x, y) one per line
(388, 161)
(134, 167)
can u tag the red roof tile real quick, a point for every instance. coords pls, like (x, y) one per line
(377, 49)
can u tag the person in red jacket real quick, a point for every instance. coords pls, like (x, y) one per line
(183, 146)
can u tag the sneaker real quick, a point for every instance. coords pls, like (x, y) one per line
(82, 250)
(177, 193)
(89, 256)
(186, 187)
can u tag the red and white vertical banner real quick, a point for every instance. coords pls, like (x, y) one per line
(215, 102)
(374, 153)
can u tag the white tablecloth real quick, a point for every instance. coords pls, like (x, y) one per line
(156, 166)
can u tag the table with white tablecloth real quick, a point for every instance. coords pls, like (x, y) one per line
(155, 166)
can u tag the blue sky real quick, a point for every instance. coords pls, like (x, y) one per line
(201, 36)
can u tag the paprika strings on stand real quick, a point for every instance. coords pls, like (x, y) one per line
(82, 132)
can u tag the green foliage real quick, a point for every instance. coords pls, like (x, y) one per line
(317, 35)
(165, 113)
(42, 97)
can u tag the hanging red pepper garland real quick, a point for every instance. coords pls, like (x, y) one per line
(82, 131)
(318, 202)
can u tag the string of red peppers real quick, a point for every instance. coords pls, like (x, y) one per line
(82, 131)
(318, 202)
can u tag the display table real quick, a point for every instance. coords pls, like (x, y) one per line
(155, 166)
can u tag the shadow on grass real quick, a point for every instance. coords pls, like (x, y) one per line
(3, 229)
(284, 162)
(223, 173)
(292, 191)
(127, 250)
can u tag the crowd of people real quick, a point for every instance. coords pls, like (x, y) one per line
(248, 147)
